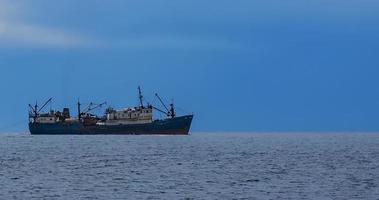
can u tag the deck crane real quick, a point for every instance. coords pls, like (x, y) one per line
(169, 112)
(89, 108)
(35, 109)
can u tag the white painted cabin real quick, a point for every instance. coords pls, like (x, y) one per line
(137, 115)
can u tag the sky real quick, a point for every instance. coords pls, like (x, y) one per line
(243, 65)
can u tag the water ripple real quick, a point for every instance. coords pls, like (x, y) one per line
(201, 166)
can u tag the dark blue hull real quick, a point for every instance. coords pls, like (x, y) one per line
(174, 126)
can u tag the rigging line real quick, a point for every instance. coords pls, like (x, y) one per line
(182, 110)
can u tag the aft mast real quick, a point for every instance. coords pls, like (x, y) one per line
(79, 112)
(140, 97)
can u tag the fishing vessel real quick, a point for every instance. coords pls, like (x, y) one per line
(137, 120)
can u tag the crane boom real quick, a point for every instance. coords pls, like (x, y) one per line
(97, 106)
(48, 101)
(160, 100)
(89, 108)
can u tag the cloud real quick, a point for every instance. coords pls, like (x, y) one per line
(162, 41)
(26, 34)
(15, 32)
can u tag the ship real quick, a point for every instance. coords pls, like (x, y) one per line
(137, 120)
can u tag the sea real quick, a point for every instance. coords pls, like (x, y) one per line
(198, 166)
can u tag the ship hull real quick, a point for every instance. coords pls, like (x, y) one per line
(175, 126)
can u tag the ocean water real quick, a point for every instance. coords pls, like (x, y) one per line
(199, 166)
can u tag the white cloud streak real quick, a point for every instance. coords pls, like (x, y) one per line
(26, 34)
(15, 32)
(171, 42)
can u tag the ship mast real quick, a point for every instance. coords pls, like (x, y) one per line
(140, 96)
(36, 111)
(79, 113)
(172, 110)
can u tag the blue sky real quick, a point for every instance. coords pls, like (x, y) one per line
(238, 65)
